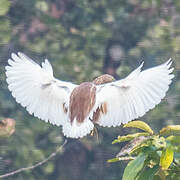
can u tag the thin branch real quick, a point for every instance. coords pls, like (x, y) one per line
(35, 165)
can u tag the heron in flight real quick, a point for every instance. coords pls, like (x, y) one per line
(104, 101)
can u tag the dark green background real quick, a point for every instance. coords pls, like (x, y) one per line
(82, 39)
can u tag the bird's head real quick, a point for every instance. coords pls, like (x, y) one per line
(105, 78)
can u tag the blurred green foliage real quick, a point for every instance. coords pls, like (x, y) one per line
(75, 36)
(154, 157)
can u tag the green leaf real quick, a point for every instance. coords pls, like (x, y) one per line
(134, 167)
(170, 130)
(129, 137)
(166, 158)
(140, 125)
(4, 7)
(148, 174)
(113, 160)
(175, 140)
(126, 158)
(142, 147)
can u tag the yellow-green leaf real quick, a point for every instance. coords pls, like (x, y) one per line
(129, 137)
(170, 130)
(127, 158)
(138, 147)
(113, 160)
(140, 125)
(175, 140)
(166, 158)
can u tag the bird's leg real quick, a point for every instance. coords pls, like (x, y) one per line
(94, 132)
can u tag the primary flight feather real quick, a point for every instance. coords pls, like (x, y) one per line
(78, 107)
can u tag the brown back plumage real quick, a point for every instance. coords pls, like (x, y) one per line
(82, 100)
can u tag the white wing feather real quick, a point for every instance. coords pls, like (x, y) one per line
(77, 130)
(132, 97)
(35, 88)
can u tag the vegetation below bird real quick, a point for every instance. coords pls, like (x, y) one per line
(152, 155)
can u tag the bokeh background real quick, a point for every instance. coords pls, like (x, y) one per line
(83, 39)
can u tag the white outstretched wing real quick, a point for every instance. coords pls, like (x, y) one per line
(35, 88)
(132, 97)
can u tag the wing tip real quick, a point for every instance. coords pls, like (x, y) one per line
(20, 53)
(46, 62)
(17, 56)
(170, 69)
(13, 55)
(142, 63)
(168, 63)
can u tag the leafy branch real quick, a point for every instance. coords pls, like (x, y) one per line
(151, 155)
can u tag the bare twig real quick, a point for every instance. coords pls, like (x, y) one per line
(35, 165)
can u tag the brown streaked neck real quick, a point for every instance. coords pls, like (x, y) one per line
(82, 100)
